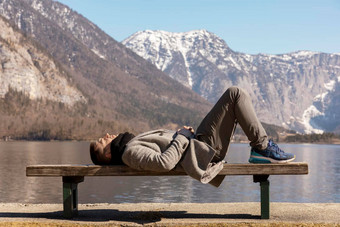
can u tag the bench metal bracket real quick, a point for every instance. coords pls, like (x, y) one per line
(70, 195)
(265, 202)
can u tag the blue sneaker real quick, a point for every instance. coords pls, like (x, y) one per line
(272, 154)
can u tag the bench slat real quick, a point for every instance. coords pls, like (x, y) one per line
(293, 168)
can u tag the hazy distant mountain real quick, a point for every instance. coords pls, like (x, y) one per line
(298, 90)
(116, 89)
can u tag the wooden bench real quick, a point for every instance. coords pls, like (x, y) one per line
(74, 174)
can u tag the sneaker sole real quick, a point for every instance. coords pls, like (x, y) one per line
(261, 159)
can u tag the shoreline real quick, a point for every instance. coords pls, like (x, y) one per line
(170, 214)
(232, 142)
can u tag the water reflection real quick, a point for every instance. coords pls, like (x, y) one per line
(321, 185)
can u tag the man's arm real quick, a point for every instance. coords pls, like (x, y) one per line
(144, 155)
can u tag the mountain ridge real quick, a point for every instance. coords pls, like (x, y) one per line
(285, 87)
(123, 92)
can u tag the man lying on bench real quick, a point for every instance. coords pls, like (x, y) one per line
(200, 154)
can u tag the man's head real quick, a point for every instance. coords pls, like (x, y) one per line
(100, 150)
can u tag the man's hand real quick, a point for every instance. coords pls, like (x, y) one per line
(187, 131)
(191, 129)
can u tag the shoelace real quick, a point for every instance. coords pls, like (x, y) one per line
(276, 148)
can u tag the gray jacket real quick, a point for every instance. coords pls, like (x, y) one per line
(163, 150)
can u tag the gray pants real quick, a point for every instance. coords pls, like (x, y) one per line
(218, 127)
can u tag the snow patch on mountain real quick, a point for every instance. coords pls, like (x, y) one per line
(317, 109)
(330, 85)
(98, 53)
(308, 114)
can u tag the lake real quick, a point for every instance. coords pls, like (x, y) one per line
(321, 185)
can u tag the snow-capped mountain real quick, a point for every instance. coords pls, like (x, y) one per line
(297, 90)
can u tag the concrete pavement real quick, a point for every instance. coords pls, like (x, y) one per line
(165, 214)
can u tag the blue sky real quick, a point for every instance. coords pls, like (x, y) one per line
(248, 26)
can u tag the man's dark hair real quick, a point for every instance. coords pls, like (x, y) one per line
(117, 147)
(93, 153)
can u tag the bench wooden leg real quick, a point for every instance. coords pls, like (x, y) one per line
(265, 202)
(70, 195)
(265, 213)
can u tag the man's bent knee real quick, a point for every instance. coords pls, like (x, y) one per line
(237, 92)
